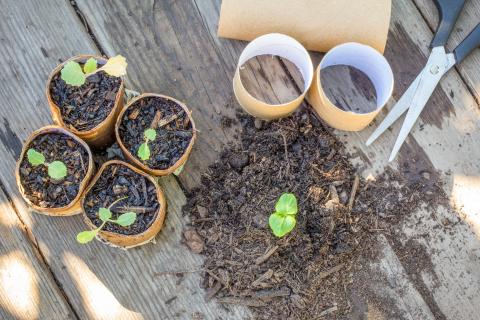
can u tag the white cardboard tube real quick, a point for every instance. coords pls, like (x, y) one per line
(285, 47)
(372, 64)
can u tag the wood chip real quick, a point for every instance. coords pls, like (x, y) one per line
(134, 114)
(328, 311)
(325, 274)
(164, 122)
(267, 255)
(356, 183)
(267, 295)
(156, 119)
(193, 240)
(267, 275)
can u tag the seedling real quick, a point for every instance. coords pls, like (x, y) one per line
(73, 74)
(124, 220)
(283, 220)
(57, 170)
(144, 150)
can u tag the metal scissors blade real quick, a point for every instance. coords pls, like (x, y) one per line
(416, 96)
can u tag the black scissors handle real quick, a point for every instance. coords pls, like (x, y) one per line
(468, 44)
(449, 11)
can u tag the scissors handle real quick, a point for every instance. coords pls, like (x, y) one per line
(468, 44)
(449, 11)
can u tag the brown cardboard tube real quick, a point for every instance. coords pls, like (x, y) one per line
(285, 47)
(102, 134)
(122, 240)
(73, 207)
(367, 60)
(134, 159)
(318, 24)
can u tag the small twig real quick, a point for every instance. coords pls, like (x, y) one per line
(328, 311)
(356, 183)
(266, 256)
(164, 122)
(138, 210)
(325, 274)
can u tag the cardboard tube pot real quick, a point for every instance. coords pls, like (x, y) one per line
(133, 158)
(282, 46)
(123, 240)
(372, 64)
(74, 206)
(102, 134)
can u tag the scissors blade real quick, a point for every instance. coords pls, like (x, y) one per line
(398, 109)
(438, 64)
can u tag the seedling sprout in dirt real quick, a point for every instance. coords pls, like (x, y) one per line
(57, 170)
(73, 74)
(124, 220)
(144, 150)
(283, 220)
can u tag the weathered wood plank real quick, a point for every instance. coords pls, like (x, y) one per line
(99, 281)
(229, 51)
(27, 289)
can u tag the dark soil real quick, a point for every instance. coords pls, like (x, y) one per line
(85, 107)
(42, 190)
(118, 181)
(306, 274)
(173, 137)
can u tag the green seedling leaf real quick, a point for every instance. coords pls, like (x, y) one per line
(287, 204)
(144, 151)
(104, 214)
(115, 66)
(90, 66)
(57, 170)
(72, 74)
(281, 224)
(150, 134)
(86, 236)
(126, 219)
(35, 158)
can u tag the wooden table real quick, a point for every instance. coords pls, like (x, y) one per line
(172, 48)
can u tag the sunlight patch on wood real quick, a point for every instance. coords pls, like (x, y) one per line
(98, 300)
(465, 197)
(18, 286)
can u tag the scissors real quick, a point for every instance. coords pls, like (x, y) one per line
(439, 62)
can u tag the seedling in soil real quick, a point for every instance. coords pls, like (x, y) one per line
(57, 170)
(73, 74)
(144, 150)
(124, 220)
(283, 220)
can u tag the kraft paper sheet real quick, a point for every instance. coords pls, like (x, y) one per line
(318, 24)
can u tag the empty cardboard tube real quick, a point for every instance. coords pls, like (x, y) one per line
(73, 207)
(285, 47)
(123, 240)
(318, 24)
(372, 64)
(103, 133)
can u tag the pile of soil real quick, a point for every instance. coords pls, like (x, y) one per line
(301, 275)
(170, 121)
(86, 106)
(118, 181)
(42, 190)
